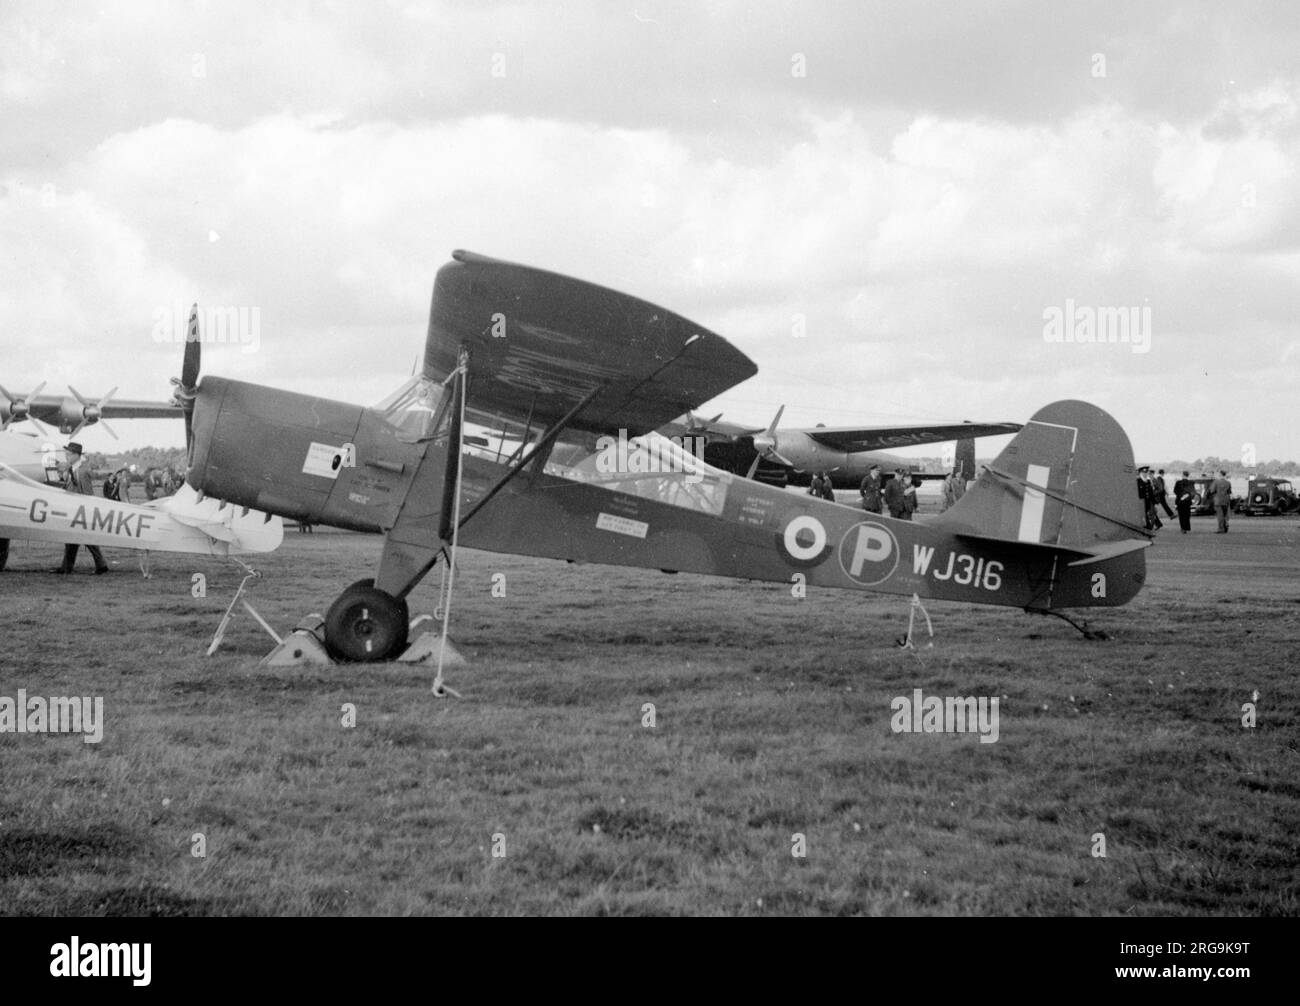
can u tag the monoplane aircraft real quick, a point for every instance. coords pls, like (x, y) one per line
(33, 511)
(569, 371)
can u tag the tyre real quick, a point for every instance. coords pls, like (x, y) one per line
(365, 624)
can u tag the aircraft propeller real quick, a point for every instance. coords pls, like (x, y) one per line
(187, 384)
(696, 425)
(765, 446)
(90, 412)
(20, 409)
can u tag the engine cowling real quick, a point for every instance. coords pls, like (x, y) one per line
(301, 457)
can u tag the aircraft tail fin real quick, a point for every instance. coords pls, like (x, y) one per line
(1066, 480)
(964, 458)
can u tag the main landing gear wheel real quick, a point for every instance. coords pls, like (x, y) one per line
(365, 624)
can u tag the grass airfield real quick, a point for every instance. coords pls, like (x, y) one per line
(542, 792)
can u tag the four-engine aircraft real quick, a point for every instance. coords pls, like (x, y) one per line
(790, 456)
(579, 376)
(71, 413)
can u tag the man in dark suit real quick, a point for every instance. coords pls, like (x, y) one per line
(78, 481)
(1162, 493)
(1184, 490)
(871, 490)
(1144, 494)
(894, 490)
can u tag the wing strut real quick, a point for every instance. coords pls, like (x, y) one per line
(450, 521)
(449, 518)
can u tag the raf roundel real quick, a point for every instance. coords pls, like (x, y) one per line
(803, 542)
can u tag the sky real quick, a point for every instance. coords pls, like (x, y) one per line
(902, 212)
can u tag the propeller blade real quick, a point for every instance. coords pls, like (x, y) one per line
(193, 353)
(765, 445)
(754, 467)
(90, 411)
(20, 408)
(104, 423)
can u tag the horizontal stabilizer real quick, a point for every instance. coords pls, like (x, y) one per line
(1110, 550)
(1096, 553)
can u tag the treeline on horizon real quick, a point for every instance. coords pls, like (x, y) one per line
(143, 458)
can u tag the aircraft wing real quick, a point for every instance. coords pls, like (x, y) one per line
(882, 438)
(540, 342)
(56, 409)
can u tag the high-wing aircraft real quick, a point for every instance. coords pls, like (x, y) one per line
(790, 456)
(32, 511)
(28, 454)
(70, 413)
(569, 370)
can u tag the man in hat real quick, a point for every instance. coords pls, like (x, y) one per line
(78, 481)
(872, 490)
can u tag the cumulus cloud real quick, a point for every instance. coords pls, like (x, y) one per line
(881, 258)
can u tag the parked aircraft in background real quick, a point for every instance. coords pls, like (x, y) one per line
(70, 413)
(35, 457)
(791, 456)
(33, 511)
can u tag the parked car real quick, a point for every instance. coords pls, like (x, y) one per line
(1268, 495)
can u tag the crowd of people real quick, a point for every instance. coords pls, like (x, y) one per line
(897, 494)
(1151, 488)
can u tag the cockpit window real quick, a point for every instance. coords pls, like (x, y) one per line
(414, 408)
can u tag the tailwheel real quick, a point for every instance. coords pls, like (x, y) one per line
(366, 624)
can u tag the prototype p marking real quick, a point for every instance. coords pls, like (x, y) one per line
(868, 553)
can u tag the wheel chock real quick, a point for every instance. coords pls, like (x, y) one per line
(299, 647)
(425, 651)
